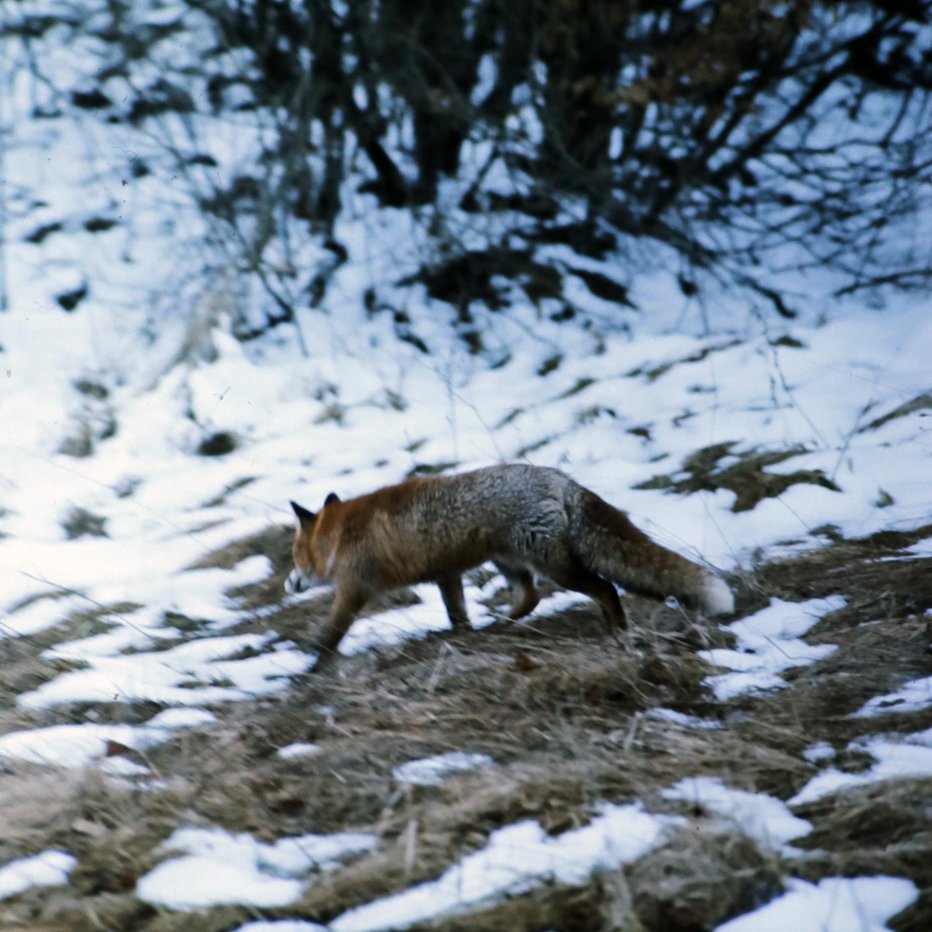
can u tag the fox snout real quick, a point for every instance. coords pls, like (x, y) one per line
(299, 582)
(294, 582)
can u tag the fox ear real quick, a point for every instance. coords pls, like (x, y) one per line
(304, 516)
(331, 499)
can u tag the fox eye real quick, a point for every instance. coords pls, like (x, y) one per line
(331, 499)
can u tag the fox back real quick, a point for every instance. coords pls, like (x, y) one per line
(427, 527)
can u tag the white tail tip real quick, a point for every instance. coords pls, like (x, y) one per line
(716, 597)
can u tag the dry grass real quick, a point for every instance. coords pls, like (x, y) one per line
(561, 706)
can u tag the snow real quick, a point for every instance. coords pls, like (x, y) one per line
(430, 771)
(769, 642)
(78, 745)
(219, 867)
(922, 548)
(396, 625)
(515, 859)
(281, 925)
(37, 616)
(399, 624)
(187, 674)
(297, 750)
(681, 718)
(765, 819)
(895, 756)
(48, 869)
(820, 751)
(913, 696)
(187, 717)
(863, 904)
(159, 530)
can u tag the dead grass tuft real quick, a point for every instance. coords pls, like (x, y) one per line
(700, 878)
(273, 542)
(746, 475)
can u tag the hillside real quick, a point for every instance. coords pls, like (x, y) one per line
(166, 763)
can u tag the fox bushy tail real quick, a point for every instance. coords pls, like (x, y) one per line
(610, 545)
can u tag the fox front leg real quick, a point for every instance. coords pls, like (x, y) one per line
(346, 607)
(451, 590)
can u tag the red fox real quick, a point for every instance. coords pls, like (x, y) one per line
(523, 518)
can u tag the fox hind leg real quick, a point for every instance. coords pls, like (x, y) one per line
(571, 574)
(524, 594)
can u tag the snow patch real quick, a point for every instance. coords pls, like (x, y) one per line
(765, 819)
(769, 642)
(281, 925)
(895, 756)
(913, 696)
(221, 868)
(818, 752)
(922, 548)
(862, 904)
(48, 869)
(430, 771)
(298, 749)
(79, 745)
(681, 718)
(193, 673)
(516, 859)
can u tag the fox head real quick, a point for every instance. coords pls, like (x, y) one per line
(306, 573)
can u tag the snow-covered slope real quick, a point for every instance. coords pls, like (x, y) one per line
(138, 437)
